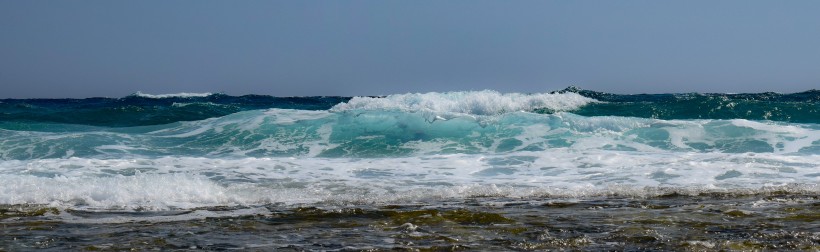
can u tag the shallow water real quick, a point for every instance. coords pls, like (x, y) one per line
(774, 221)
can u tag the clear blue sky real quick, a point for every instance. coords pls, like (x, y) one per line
(297, 48)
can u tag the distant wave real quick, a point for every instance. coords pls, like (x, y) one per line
(179, 95)
(142, 109)
(802, 107)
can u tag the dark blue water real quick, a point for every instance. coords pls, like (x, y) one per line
(137, 110)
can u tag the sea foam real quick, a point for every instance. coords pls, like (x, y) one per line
(188, 182)
(178, 95)
(485, 102)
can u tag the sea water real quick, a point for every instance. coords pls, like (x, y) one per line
(477, 170)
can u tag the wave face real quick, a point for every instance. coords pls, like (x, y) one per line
(198, 150)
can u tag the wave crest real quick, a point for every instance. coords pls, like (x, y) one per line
(177, 95)
(481, 103)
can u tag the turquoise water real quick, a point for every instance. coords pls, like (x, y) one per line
(481, 160)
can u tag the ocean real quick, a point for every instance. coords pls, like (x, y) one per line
(476, 170)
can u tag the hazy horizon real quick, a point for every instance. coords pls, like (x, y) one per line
(182, 94)
(359, 48)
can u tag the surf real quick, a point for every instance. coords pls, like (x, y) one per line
(395, 149)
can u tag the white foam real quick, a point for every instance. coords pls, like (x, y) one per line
(179, 95)
(186, 104)
(776, 132)
(175, 216)
(185, 182)
(291, 116)
(485, 102)
(150, 191)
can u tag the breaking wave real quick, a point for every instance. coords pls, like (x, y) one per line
(189, 151)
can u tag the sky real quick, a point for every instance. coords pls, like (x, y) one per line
(93, 48)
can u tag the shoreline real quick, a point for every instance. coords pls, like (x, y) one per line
(674, 222)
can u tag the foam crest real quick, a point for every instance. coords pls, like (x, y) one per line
(176, 95)
(482, 103)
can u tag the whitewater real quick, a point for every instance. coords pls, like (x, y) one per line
(203, 155)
